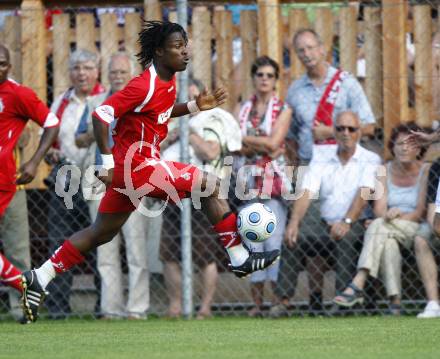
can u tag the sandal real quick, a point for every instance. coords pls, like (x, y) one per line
(394, 310)
(349, 300)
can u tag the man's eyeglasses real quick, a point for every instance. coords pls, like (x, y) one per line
(350, 129)
(263, 74)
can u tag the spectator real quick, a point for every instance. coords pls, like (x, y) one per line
(424, 244)
(263, 153)
(320, 95)
(14, 232)
(340, 174)
(399, 212)
(314, 101)
(213, 134)
(121, 70)
(69, 106)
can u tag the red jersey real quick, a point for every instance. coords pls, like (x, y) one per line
(18, 104)
(142, 110)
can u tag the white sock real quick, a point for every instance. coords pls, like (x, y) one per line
(45, 273)
(237, 254)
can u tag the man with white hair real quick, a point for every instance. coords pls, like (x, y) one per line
(121, 70)
(69, 106)
(342, 177)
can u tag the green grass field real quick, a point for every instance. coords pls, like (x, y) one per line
(338, 338)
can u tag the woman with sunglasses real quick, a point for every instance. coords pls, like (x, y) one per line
(263, 152)
(399, 211)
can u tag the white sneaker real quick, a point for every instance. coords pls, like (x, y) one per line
(432, 310)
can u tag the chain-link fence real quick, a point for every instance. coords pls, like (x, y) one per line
(391, 50)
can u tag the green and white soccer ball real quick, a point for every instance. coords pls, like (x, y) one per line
(256, 222)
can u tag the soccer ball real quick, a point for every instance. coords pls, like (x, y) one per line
(256, 222)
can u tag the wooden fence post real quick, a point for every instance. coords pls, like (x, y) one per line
(373, 60)
(224, 64)
(347, 39)
(85, 32)
(33, 42)
(12, 40)
(109, 44)
(395, 66)
(297, 20)
(152, 10)
(61, 52)
(423, 64)
(201, 45)
(131, 31)
(249, 36)
(324, 26)
(269, 30)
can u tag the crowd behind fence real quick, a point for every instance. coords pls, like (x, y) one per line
(223, 50)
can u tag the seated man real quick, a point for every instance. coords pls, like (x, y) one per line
(424, 244)
(340, 175)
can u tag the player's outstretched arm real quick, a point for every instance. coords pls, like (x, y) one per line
(28, 170)
(205, 101)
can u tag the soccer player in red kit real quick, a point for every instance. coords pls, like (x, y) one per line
(134, 166)
(18, 104)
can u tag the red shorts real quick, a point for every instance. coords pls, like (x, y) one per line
(165, 180)
(5, 199)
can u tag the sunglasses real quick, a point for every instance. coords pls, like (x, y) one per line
(350, 129)
(263, 74)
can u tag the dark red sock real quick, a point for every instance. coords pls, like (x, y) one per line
(9, 274)
(66, 257)
(227, 230)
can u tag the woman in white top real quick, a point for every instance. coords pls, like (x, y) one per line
(399, 211)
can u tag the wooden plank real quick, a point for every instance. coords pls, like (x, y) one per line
(109, 44)
(269, 30)
(152, 10)
(373, 59)
(97, 33)
(61, 51)
(347, 39)
(85, 32)
(248, 34)
(324, 26)
(12, 40)
(395, 73)
(224, 63)
(34, 71)
(297, 20)
(201, 45)
(13, 4)
(423, 64)
(436, 69)
(131, 34)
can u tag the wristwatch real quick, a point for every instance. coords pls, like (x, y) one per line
(348, 221)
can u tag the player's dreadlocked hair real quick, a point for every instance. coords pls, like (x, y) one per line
(153, 36)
